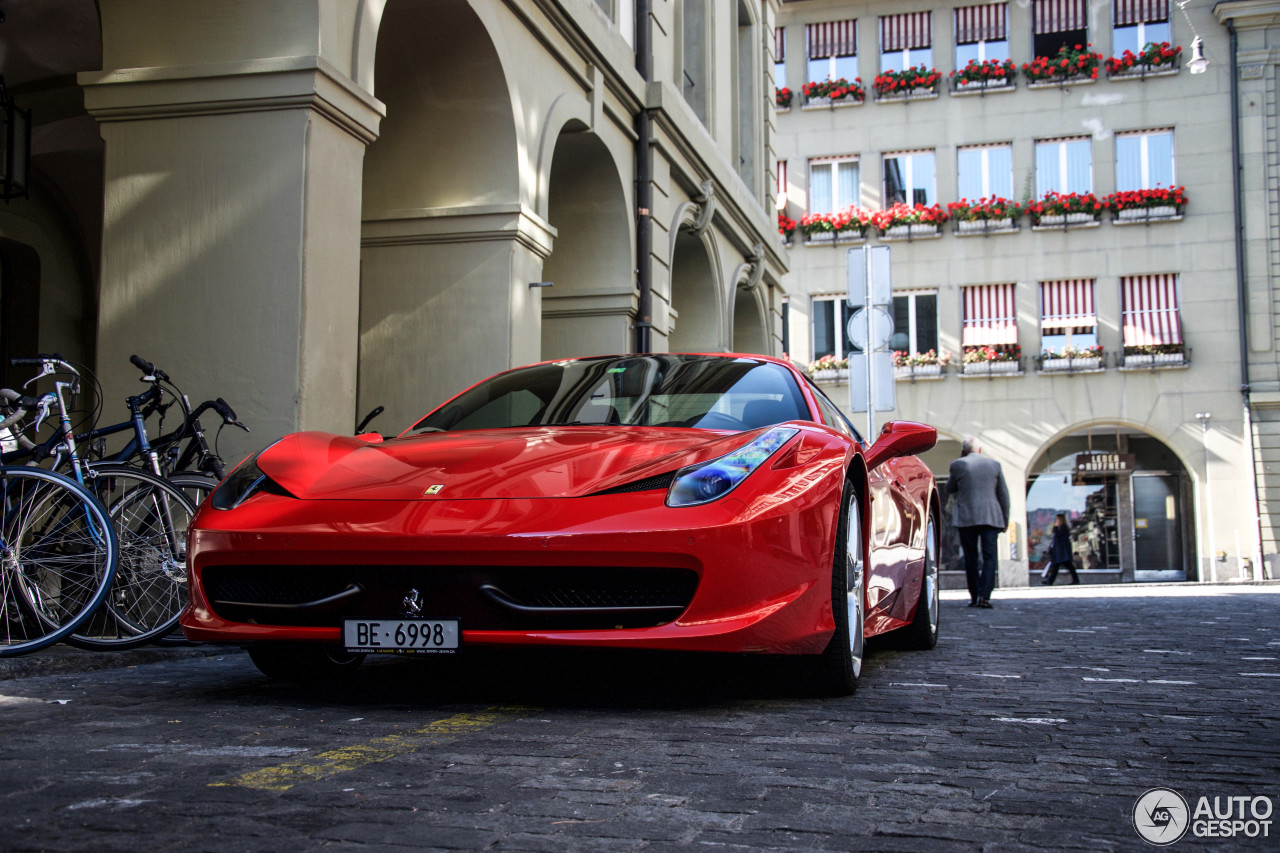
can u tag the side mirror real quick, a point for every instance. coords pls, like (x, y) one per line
(900, 438)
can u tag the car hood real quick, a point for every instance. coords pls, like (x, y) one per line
(533, 462)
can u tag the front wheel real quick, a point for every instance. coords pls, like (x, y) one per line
(839, 667)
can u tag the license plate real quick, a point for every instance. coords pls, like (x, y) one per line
(401, 636)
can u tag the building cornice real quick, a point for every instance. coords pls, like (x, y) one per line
(1248, 13)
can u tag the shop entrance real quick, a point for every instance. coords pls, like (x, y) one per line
(1157, 530)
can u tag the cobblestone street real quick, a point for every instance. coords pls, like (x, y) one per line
(1033, 726)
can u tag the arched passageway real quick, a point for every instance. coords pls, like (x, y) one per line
(694, 298)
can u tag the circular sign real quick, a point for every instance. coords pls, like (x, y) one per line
(1161, 816)
(881, 329)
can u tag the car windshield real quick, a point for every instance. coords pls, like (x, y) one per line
(706, 392)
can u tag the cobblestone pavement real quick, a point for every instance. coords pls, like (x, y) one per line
(1033, 726)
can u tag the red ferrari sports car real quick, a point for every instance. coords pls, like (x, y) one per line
(715, 503)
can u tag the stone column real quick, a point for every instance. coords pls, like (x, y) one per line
(231, 229)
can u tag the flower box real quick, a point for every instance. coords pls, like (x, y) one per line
(831, 238)
(981, 87)
(909, 95)
(908, 371)
(1160, 359)
(911, 231)
(1146, 214)
(1060, 220)
(1155, 60)
(907, 84)
(1070, 365)
(966, 227)
(1068, 67)
(990, 368)
(826, 375)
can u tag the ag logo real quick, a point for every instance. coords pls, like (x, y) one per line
(433, 490)
(1161, 816)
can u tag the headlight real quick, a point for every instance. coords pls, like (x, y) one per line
(709, 481)
(243, 483)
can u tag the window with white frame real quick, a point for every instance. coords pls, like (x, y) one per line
(1064, 165)
(781, 193)
(984, 171)
(1151, 316)
(982, 33)
(833, 50)
(1139, 23)
(1144, 160)
(1067, 315)
(990, 317)
(915, 322)
(910, 177)
(906, 41)
(1058, 24)
(830, 327)
(780, 57)
(833, 184)
(622, 13)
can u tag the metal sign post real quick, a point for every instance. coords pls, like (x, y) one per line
(871, 386)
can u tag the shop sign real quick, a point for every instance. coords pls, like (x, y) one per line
(1105, 463)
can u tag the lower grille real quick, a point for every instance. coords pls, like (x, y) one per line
(482, 597)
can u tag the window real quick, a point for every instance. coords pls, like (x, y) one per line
(1144, 160)
(915, 322)
(831, 413)
(694, 43)
(1151, 311)
(1058, 24)
(1067, 317)
(910, 178)
(906, 41)
(984, 171)
(622, 13)
(781, 189)
(830, 327)
(989, 316)
(982, 33)
(780, 57)
(833, 184)
(1139, 23)
(1064, 165)
(833, 50)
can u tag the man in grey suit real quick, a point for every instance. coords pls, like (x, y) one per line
(981, 511)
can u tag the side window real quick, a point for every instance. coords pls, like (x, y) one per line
(831, 414)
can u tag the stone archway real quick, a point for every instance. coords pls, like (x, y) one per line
(447, 248)
(695, 306)
(589, 302)
(750, 324)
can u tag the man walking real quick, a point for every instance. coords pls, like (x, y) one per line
(981, 511)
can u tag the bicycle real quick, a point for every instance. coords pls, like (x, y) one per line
(58, 556)
(150, 516)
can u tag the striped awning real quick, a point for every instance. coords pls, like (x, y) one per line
(907, 31)
(780, 44)
(1060, 16)
(1130, 12)
(982, 23)
(1150, 310)
(1067, 304)
(833, 38)
(989, 316)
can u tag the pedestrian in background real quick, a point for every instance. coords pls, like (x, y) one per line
(1060, 556)
(981, 511)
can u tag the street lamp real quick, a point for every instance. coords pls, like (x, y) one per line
(1197, 64)
(1203, 418)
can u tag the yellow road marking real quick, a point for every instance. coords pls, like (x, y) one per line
(284, 776)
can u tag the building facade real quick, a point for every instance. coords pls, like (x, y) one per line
(1078, 278)
(314, 207)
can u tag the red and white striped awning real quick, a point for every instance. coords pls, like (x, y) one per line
(989, 316)
(907, 31)
(780, 44)
(1130, 12)
(982, 23)
(833, 38)
(1060, 16)
(1150, 310)
(782, 185)
(1067, 304)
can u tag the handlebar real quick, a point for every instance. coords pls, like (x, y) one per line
(224, 411)
(149, 369)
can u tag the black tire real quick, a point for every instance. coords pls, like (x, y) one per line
(58, 554)
(839, 668)
(150, 517)
(922, 633)
(306, 664)
(195, 486)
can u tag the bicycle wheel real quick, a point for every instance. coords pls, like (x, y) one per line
(58, 555)
(150, 518)
(196, 487)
